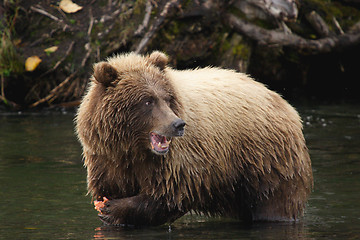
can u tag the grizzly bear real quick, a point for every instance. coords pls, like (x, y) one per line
(159, 142)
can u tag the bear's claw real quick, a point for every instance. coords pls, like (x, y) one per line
(105, 219)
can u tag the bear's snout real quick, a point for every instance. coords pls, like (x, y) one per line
(178, 127)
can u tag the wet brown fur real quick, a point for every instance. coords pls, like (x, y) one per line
(243, 154)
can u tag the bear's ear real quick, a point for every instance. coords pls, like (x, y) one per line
(104, 73)
(159, 59)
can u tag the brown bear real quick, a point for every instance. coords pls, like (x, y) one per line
(159, 142)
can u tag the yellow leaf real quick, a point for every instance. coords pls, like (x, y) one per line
(31, 63)
(69, 7)
(51, 49)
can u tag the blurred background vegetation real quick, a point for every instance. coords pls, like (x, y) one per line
(306, 50)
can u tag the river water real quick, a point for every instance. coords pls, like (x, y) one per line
(43, 184)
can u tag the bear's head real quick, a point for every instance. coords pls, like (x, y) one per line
(139, 107)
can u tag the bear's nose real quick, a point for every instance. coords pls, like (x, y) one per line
(179, 125)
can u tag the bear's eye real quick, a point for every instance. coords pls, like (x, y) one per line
(170, 101)
(149, 102)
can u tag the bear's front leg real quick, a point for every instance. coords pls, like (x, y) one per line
(140, 210)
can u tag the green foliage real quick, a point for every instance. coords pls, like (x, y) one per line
(72, 21)
(241, 50)
(8, 56)
(347, 15)
(10, 61)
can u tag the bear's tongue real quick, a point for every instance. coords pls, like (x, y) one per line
(159, 143)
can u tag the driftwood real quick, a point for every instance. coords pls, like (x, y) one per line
(279, 10)
(277, 38)
(54, 91)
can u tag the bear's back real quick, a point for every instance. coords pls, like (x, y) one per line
(237, 126)
(213, 95)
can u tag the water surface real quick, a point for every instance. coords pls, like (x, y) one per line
(43, 184)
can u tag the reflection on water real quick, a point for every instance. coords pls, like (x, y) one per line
(192, 227)
(333, 136)
(43, 185)
(42, 179)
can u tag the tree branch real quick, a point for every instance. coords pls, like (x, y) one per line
(318, 24)
(276, 38)
(60, 61)
(54, 91)
(146, 20)
(43, 12)
(158, 22)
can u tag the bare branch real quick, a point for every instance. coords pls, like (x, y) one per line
(146, 20)
(43, 12)
(337, 25)
(91, 23)
(53, 92)
(154, 27)
(68, 51)
(87, 55)
(38, 9)
(272, 37)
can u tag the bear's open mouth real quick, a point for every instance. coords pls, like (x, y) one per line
(159, 143)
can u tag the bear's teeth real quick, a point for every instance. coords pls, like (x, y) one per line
(159, 144)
